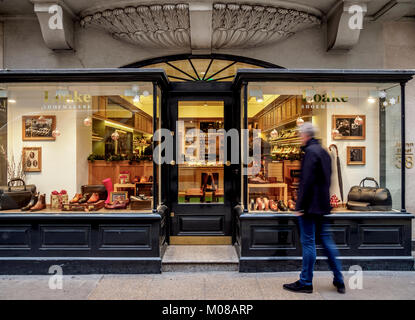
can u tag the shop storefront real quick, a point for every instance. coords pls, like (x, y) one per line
(106, 191)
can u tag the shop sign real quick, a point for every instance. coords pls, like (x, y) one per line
(66, 100)
(313, 100)
(409, 155)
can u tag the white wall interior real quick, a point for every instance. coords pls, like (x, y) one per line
(59, 157)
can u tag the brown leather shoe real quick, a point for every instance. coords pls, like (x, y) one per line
(273, 205)
(94, 198)
(41, 203)
(291, 205)
(32, 202)
(117, 205)
(260, 204)
(76, 198)
(84, 198)
(266, 203)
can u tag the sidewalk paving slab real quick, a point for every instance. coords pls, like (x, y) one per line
(207, 285)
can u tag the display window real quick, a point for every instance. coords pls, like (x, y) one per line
(78, 147)
(359, 125)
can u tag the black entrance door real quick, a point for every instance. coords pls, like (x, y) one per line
(201, 192)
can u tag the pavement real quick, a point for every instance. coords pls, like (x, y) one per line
(376, 285)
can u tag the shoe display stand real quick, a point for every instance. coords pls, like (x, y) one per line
(283, 193)
(84, 206)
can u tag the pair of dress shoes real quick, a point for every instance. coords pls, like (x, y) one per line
(277, 205)
(263, 204)
(117, 204)
(85, 198)
(36, 203)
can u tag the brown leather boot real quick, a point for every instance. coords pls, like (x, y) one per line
(41, 203)
(32, 202)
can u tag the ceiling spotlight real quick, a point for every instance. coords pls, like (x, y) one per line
(136, 98)
(205, 104)
(11, 100)
(202, 73)
(260, 99)
(373, 94)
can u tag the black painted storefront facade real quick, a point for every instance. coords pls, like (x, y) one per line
(135, 243)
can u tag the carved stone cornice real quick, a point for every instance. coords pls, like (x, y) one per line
(150, 26)
(244, 26)
(232, 26)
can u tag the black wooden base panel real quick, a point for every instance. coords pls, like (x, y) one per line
(71, 266)
(280, 264)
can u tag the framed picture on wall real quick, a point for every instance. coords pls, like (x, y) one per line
(356, 155)
(32, 159)
(38, 127)
(349, 127)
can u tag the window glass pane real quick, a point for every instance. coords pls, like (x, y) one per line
(80, 141)
(352, 118)
(199, 128)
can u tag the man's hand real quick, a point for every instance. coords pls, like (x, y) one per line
(298, 213)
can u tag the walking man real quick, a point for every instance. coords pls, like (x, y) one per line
(313, 204)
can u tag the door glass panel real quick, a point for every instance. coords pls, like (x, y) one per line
(201, 152)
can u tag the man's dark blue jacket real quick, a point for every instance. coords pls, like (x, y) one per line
(313, 193)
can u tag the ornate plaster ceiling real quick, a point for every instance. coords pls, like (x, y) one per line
(232, 25)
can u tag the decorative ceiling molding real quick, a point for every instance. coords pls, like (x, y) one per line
(150, 26)
(245, 26)
(232, 25)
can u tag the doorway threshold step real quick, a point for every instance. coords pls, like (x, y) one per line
(198, 258)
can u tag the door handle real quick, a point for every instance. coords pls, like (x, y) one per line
(172, 163)
(227, 163)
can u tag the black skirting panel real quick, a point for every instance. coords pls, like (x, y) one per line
(82, 243)
(375, 241)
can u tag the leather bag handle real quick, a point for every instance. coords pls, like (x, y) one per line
(13, 180)
(362, 183)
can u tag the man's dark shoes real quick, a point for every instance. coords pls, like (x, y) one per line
(298, 287)
(340, 287)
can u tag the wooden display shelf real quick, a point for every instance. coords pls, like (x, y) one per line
(282, 186)
(292, 140)
(99, 170)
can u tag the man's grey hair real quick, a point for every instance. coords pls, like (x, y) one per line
(308, 129)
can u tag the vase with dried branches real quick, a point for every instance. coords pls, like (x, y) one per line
(14, 169)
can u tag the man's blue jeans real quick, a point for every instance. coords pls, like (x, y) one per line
(311, 228)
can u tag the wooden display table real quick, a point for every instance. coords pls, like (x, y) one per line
(282, 188)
